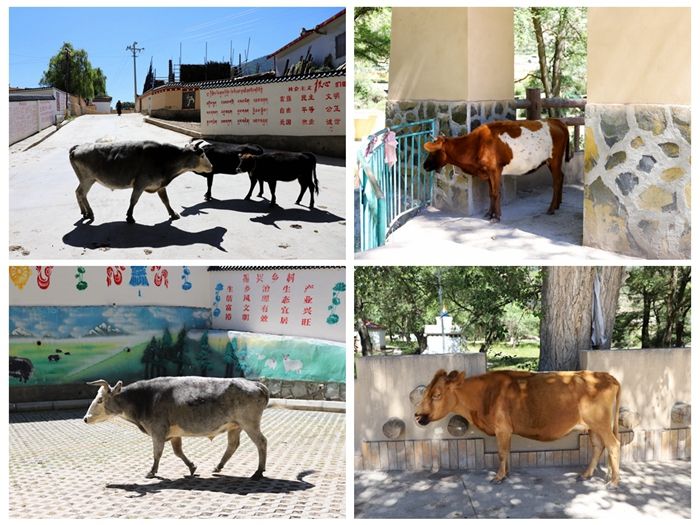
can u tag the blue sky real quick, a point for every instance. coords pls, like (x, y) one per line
(36, 34)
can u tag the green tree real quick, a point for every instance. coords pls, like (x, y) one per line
(557, 36)
(148, 358)
(402, 298)
(99, 82)
(203, 354)
(71, 71)
(233, 365)
(372, 49)
(656, 307)
(180, 351)
(478, 297)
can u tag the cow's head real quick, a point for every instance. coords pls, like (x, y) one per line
(437, 157)
(202, 163)
(246, 163)
(439, 397)
(103, 406)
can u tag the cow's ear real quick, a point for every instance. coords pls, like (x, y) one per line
(116, 388)
(430, 147)
(455, 377)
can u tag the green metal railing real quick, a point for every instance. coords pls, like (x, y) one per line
(389, 194)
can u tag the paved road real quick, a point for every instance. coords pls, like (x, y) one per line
(647, 490)
(44, 213)
(525, 233)
(62, 468)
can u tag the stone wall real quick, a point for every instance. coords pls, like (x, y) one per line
(305, 390)
(455, 118)
(637, 180)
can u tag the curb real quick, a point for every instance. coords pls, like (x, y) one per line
(172, 127)
(290, 404)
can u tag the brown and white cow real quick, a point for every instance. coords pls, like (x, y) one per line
(544, 406)
(504, 147)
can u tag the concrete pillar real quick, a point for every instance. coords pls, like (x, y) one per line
(637, 150)
(454, 64)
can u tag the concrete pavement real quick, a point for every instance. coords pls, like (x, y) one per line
(62, 468)
(44, 214)
(651, 489)
(525, 233)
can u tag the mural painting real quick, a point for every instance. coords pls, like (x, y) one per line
(63, 345)
(257, 356)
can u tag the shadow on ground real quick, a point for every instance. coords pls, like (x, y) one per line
(123, 235)
(219, 483)
(270, 216)
(651, 489)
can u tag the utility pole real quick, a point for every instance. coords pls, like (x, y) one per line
(134, 51)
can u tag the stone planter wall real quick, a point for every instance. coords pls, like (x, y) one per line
(637, 180)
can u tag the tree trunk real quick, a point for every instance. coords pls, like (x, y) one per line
(611, 278)
(646, 317)
(365, 340)
(422, 341)
(565, 326)
(541, 49)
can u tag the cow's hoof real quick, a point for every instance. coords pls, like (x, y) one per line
(497, 481)
(260, 195)
(246, 198)
(151, 475)
(192, 468)
(494, 220)
(258, 475)
(218, 468)
(550, 212)
(207, 198)
(581, 477)
(130, 220)
(612, 485)
(174, 217)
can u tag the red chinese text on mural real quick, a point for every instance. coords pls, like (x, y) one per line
(43, 280)
(160, 276)
(115, 275)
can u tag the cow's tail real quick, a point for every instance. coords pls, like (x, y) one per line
(314, 173)
(568, 155)
(616, 421)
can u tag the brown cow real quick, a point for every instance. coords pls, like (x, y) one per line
(505, 147)
(543, 406)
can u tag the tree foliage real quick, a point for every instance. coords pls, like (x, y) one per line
(372, 50)
(557, 36)
(405, 298)
(70, 70)
(656, 310)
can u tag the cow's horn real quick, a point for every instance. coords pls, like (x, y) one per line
(99, 382)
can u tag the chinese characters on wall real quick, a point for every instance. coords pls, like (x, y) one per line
(279, 301)
(303, 107)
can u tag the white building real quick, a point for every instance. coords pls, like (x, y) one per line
(103, 104)
(451, 343)
(326, 40)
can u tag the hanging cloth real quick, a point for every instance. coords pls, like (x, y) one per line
(390, 144)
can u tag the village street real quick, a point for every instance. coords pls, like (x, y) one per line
(44, 214)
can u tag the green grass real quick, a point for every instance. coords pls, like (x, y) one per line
(502, 356)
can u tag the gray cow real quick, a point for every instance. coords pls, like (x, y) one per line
(143, 166)
(169, 408)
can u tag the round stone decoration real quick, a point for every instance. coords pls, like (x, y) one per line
(457, 426)
(417, 394)
(394, 428)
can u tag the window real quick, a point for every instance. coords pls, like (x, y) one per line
(340, 45)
